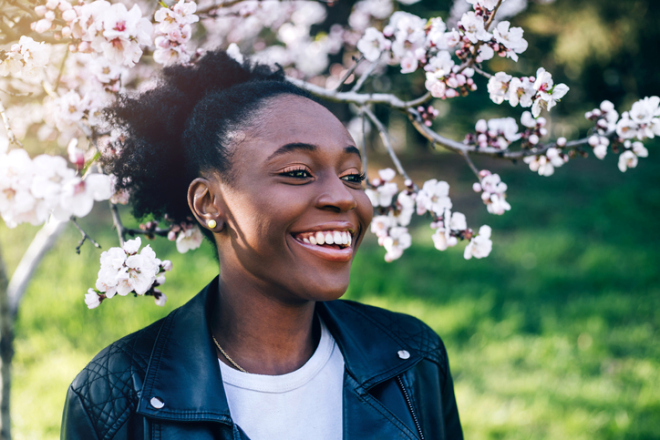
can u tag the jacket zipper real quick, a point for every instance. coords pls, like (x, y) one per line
(410, 407)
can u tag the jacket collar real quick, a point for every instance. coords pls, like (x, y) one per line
(183, 371)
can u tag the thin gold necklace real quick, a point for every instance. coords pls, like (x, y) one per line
(231, 361)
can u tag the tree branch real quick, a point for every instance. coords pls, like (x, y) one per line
(85, 237)
(360, 82)
(349, 72)
(359, 99)
(41, 244)
(5, 120)
(386, 141)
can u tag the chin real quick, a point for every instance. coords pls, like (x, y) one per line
(325, 288)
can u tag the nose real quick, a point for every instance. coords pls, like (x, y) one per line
(336, 195)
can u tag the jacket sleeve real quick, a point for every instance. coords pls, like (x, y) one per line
(76, 423)
(452, 421)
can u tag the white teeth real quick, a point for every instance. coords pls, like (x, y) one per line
(341, 238)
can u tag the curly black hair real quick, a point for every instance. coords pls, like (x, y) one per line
(180, 128)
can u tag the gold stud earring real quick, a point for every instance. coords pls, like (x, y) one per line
(211, 224)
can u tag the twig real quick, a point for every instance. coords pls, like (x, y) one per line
(475, 47)
(123, 231)
(117, 222)
(365, 76)
(62, 65)
(474, 169)
(349, 72)
(492, 15)
(10, 133)
(386, 141)
(85, 236)
(26, 9)
(364, 145)
(20, 95)
(482, 72)
(215, 6)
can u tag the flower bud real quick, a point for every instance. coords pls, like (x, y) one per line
(561, 142)
(533, 139)
(40, 10)
(476, 187)
(593, 141)
(481, 126)
(606, 106)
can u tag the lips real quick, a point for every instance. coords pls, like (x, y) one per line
(332, 244)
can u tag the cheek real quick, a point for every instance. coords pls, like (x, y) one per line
(365, 210)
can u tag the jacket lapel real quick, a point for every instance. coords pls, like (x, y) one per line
(183, 371)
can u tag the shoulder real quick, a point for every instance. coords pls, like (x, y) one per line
(410, 331)
(107, 388)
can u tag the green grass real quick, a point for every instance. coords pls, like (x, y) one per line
(554, 336)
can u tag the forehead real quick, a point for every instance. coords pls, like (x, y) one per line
(288, 119)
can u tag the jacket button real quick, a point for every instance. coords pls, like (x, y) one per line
(156, 403)
(403, 354)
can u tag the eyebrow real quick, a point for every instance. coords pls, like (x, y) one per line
(301, 146)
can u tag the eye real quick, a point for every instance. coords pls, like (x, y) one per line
(353, 178)
(297, 173)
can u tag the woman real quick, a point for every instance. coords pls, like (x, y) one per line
(265, 351)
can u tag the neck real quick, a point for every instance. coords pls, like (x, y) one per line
(261, 333)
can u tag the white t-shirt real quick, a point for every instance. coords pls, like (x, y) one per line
(305, 404)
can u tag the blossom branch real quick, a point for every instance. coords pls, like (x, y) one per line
(364, 144)
(386, 141)
(360, 82)
(349, 72)
(85, 236)
(5, 121)
(474, 169)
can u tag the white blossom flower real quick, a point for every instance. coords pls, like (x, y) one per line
(234, 52)
(511, 38)
(189, 239)
(627, 159)
(434, 197)
(381, 224)
(521, 90)
(372, 44)
(481, 245)
(505, 130)
(92, 299)
(442, 240)
(474, 28)
(498, 87)
(396, 242)
(639, 149)
(160, 298)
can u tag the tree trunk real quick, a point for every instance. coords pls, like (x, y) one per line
(6, 352)
(11, 294)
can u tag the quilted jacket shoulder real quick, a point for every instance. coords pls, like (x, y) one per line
(107, 387)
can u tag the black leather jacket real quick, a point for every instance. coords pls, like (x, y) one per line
(397, 383)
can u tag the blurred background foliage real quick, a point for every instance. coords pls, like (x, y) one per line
(554, 336)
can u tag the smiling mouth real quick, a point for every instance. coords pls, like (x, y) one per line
(328, 239)
(331, 245)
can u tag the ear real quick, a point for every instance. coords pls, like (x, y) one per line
(204, 202)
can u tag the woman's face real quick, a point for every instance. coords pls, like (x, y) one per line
(295, 178)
